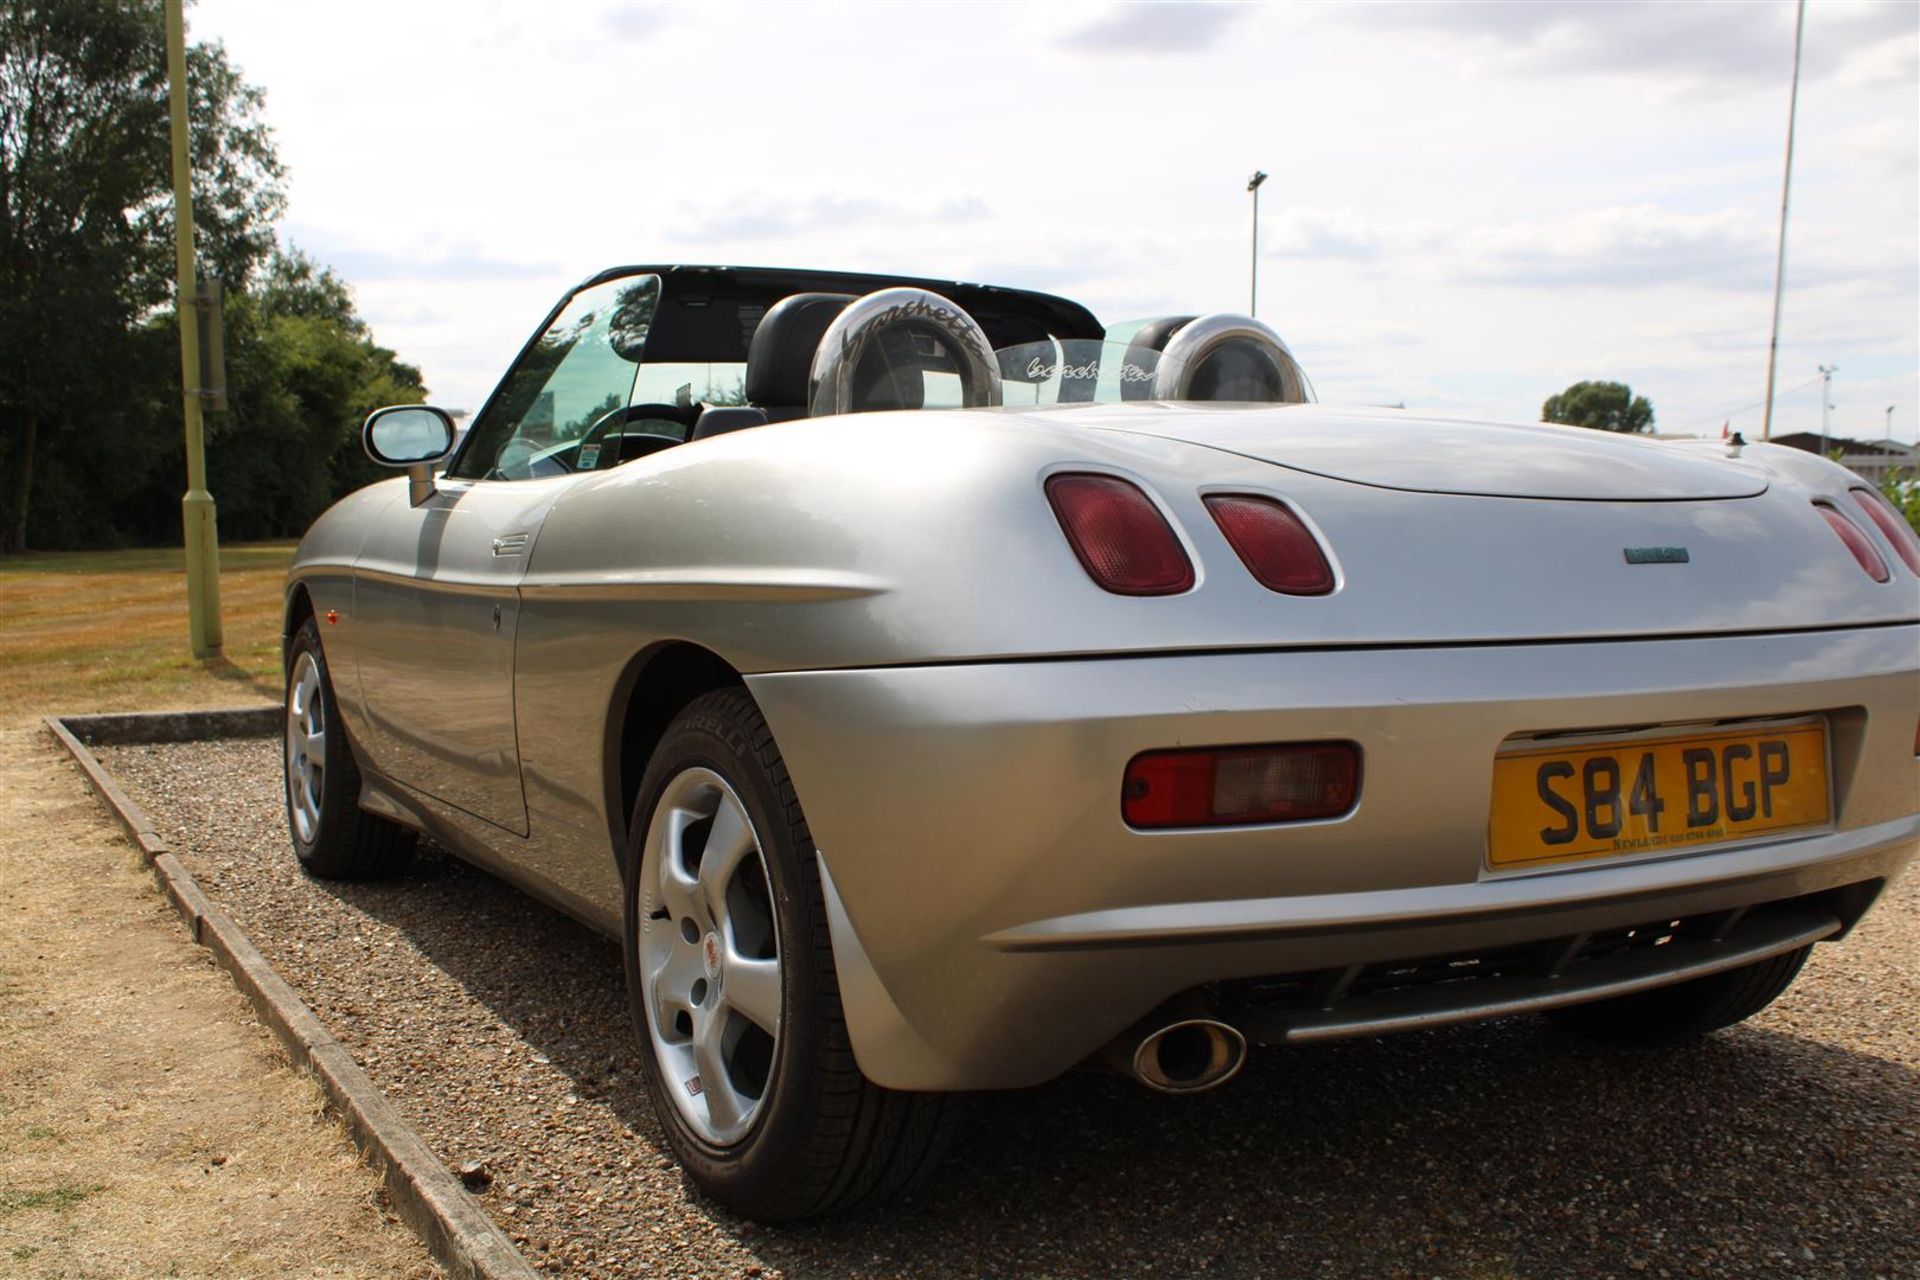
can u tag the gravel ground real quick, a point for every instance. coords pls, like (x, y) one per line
(1789, 1146)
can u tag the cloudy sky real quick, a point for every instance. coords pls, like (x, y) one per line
(1471, 204)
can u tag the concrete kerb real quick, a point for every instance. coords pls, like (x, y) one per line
(424, 1192)
(136, 727)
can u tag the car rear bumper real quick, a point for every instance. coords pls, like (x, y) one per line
(1532, 976)
(996, 921)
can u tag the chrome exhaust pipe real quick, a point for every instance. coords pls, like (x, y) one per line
(1187, 1055)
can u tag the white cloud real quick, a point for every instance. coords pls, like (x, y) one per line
(354, 261)
(1622, 247)
(1180, 26)
(1322, 233)
(634, 22)
(794, 214)
(1686, 47)
(1617, 247)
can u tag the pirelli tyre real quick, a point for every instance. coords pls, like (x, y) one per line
(332, 836)
(1685, 1010)
(732, 989)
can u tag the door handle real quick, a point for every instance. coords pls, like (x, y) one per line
(512, 544)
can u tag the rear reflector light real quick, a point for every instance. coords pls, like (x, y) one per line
(1124, 542)
(1906, 544)
(1856, 541)
(1232, 786)
(1273, 543)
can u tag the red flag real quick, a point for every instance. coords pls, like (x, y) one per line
(1724, 426)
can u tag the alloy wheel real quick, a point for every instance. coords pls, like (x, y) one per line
(306, 748)
(709, 956)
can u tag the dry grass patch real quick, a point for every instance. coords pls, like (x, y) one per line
(107, 630)
(149, 1126)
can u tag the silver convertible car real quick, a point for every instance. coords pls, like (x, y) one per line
(934, 690)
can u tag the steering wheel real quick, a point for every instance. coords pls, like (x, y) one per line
(605, 424)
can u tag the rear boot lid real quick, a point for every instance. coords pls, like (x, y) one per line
(1393, 450)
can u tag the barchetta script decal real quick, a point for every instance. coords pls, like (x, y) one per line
(957, 323)
(1656, 555)
(1129, 372)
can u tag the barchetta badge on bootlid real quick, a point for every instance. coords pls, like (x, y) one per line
(1655, 555)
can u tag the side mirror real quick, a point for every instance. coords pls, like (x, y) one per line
(414, 436)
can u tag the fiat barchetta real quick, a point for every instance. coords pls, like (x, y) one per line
(934, 690)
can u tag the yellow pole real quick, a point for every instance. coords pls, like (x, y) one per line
(196, 507)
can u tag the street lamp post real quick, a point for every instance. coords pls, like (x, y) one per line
(1253, 283)
(1889, 424)
(196, 506)
(1786, 186)
(1826, 403)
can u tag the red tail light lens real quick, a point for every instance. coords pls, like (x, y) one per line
(1274, 544)
(1235, 786)
(1894, 525)
(1856, 541)
(1125, 543)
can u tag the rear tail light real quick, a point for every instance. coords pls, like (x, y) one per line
(1234, 786)
(1273, 543)
(1856, 541)
(1124, 542)
(1891, 523)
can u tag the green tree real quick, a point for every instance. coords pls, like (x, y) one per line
(303, 373)
(1607, 406)
(86, 226)
(1902, 488)
(322, 355)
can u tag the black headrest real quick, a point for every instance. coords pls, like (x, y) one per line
(781, 354)
(1152, 336)
(718, 420)
(1237, 370)
(891, 375)
(1155, 334)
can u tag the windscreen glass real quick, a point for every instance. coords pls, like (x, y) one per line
(691, 383)
(573, 380)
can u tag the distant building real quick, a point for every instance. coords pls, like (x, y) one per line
(1868, 459)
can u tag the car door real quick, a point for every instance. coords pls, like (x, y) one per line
(436, 585)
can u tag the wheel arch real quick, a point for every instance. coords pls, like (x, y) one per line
(656, 686)
(299, 609)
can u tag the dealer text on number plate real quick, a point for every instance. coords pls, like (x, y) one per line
(1593, 800)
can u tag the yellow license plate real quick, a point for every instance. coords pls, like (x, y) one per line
(1602, 799)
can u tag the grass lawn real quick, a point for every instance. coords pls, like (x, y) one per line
(107, 631)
